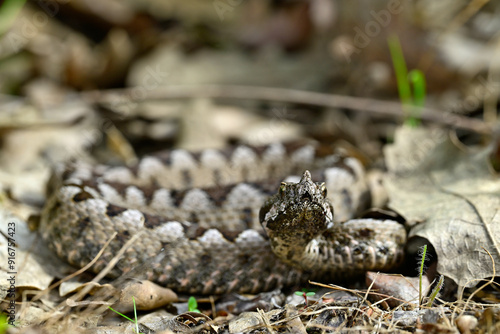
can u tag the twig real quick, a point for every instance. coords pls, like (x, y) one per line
(385, 108)
(76, 273)
(357, 293)
(81, 293)
(42, 293)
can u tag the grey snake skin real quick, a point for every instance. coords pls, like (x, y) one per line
(203, 213)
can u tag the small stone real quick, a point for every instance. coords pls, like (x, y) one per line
(466, 323)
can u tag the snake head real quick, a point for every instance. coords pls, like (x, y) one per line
(298, 213)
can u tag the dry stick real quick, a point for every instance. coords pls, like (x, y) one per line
(42, 293)
(358, 293)
(109, 266)
(103, 272)
(212, 304)
(385, 108)
(76, 273)
(367, 293)
(265, 319)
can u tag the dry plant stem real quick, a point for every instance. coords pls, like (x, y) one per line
(279, 322)
(385, 108)
(367, 293)
(100, 276)
(447, 321)
(113, 261)
(357, 292)
(108, 268)
(212, 304)
(266, 321)
(78, 272)
(42, 293)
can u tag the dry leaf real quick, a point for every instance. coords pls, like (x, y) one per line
(147, 295)
(455, 196)
(403, 289)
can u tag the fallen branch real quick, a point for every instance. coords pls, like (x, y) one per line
(385, 108)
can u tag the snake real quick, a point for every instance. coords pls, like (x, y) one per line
(242, 219)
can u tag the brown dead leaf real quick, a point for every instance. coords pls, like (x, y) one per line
(454, 194)
(400, 287)
(147, 296)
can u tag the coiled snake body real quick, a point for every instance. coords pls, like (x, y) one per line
(203, 210)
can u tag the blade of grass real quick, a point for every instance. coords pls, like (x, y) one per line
(436, 291)
(123, 315)
(401, 70)
(135, 317)
(136, 323)
(417, 78)
(421, 273)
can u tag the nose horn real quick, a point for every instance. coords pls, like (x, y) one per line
(306, 176)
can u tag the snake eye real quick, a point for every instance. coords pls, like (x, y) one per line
(323, 189)
(282, 188)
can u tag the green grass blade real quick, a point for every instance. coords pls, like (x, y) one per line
(401, 70)
(436, 291)
(417, 78)
(135, 316)
(421, 273)
(123, 315)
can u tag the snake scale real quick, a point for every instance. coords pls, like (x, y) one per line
(204, 213)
